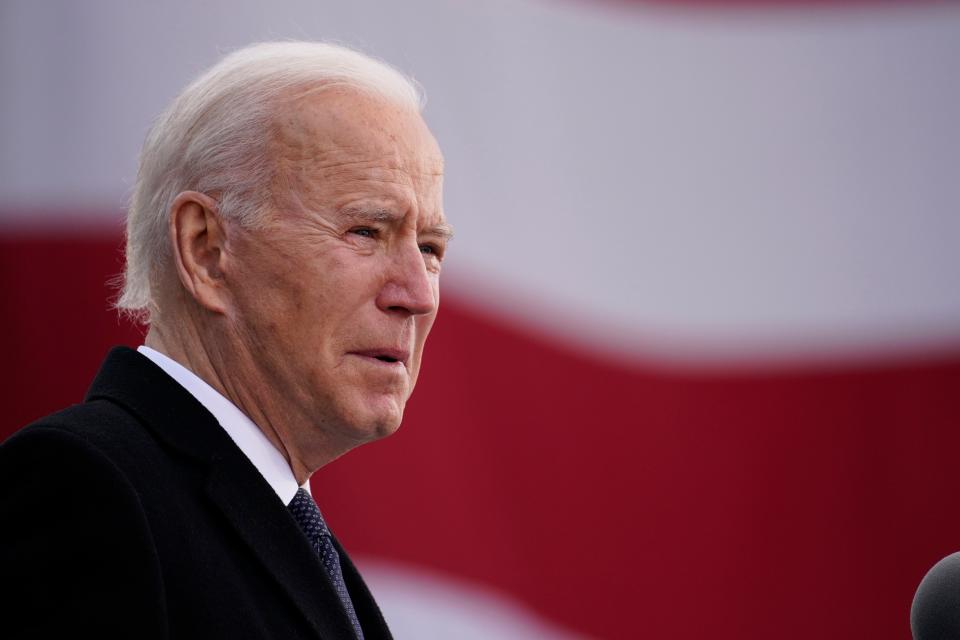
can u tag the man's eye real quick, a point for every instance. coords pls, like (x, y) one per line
(431, 250)
(365, 232)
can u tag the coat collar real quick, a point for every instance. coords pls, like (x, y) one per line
(233, 485)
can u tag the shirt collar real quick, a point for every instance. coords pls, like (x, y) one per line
(248, 437)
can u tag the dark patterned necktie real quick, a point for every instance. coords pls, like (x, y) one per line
(307, 515)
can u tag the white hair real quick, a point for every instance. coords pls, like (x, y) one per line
(215, 138)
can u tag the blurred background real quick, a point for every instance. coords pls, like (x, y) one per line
(697, 369)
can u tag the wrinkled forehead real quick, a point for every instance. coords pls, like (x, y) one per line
(350, 130)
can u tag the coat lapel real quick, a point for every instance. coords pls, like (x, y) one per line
(259, 517)
(234, 486)
(374, 626)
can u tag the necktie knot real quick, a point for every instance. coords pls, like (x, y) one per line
(307, 514)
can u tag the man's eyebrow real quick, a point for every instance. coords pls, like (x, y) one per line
(374, 214)
(443, 230)
(381, 214)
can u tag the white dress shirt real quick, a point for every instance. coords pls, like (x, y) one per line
(265, 457)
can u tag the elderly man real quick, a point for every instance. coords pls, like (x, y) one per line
(284, 243)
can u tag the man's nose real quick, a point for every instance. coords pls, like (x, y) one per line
(410, 287)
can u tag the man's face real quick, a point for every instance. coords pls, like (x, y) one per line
(335, 298)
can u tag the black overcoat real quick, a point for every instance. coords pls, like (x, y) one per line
(134, 515)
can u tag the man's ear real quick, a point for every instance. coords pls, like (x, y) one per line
(198, 239)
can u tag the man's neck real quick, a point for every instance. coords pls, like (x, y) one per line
(241, 387)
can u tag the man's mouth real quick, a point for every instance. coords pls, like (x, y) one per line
(387, 355)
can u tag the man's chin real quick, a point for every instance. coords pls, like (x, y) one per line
(386, 429)
(376, 422)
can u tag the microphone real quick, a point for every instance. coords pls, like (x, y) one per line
(935, 613)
